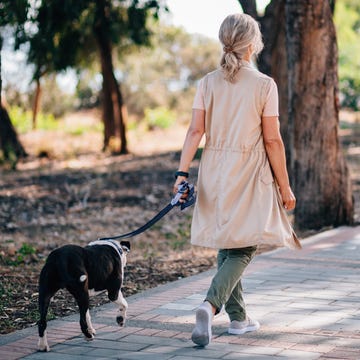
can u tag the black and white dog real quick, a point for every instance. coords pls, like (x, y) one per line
(96, 267)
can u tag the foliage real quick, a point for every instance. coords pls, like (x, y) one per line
(347, 21)
(165, 74)
(68, 32)
(54, 100)
(22, 120)
(73, 32)
(14, 13)
(162, 75)
(25, 251)
(159, 117)
(88, 88)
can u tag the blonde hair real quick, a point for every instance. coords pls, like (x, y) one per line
(236, 33)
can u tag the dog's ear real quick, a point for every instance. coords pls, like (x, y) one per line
(125, 245)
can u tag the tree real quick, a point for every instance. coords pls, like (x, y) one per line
(347, 21)
(12, 13)
(273, 59)
(298, 58)
(71, 31)
(164, 74)
(319, 171)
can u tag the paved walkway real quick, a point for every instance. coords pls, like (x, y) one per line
(308, 303)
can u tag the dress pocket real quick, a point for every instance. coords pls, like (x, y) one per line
(266, 175)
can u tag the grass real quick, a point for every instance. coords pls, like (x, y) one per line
(21, 255)
(22, 120)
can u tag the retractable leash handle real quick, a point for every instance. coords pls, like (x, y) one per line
(183, 188)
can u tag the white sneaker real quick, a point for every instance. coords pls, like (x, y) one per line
(201, 335)
(241, 327)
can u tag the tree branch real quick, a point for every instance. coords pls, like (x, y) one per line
(249, 7)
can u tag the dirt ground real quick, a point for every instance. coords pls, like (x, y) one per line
(77, 194)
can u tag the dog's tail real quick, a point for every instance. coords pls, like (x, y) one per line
(71, 267)
(79, 276)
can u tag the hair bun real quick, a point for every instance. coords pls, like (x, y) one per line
(228, 49)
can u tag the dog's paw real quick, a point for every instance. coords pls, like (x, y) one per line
(45, 349)
(120, 320)
(43, 345)
(92, 331)
(89, 333)
(89, 336)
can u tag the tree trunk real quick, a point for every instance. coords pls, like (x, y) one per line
(332, 6)
(1, 43)
(249, 7)
(271, 23)
(36, 104)
(273, 59)
(321, 179)
(113, 106)
(9, 142)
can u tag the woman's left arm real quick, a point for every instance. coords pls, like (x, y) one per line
(276, 153)
(192, 140)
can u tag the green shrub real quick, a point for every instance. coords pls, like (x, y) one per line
(159, 117)
(26, 249)
(21, 255)
(22, 120)
(350, 93)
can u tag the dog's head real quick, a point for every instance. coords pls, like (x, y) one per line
(125, 245)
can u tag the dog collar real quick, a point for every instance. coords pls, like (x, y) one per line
(111, 243)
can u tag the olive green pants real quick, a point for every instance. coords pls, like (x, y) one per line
(225, 288)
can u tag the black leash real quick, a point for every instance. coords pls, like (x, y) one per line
(184, 188)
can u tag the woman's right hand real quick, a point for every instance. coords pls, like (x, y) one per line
(178, 182)
(288, 198)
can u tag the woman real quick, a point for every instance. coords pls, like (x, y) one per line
(243, 184)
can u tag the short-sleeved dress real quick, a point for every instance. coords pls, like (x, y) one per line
(238, 203)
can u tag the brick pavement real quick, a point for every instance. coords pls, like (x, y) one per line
(308, 303)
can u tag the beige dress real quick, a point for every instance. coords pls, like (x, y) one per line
(238, 202)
